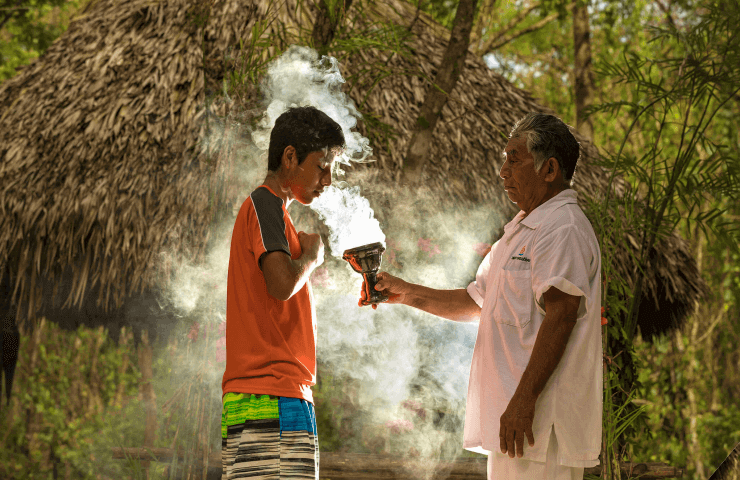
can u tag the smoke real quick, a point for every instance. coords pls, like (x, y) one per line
(349, 217)
(401, 356)
(299, 78)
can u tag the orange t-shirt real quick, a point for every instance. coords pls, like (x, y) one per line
(270, 344)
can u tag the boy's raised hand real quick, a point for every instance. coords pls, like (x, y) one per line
(312, 246)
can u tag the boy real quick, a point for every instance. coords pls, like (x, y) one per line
(268, 425)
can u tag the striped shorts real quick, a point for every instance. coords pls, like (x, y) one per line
(267, 437)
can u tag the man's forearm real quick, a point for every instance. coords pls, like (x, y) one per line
(549, 347)
(456, 305)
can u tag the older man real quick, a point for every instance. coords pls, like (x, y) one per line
(536, 369)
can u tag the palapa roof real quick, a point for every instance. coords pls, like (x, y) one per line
(100, 167)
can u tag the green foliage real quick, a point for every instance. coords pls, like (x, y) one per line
(681, 168)
(680, 174)
(666, 402)
(703, 196)
(443, 11)
(30, 27)
(334, 8)
(539, 61)
(66, 385)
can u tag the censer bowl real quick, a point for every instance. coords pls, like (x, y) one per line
(365, 260)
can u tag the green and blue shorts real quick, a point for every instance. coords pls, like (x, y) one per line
(267, 437)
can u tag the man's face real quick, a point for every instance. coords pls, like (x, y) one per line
(309, 179)
(522, 183)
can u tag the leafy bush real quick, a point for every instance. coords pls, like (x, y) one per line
(66, 385)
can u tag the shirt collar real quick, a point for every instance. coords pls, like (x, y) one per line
(540, 213)
(271, 191)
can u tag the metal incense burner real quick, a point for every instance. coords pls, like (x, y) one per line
(366, 261)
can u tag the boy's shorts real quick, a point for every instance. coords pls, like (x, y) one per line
(267, 437)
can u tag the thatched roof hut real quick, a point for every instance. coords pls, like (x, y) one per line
(100, 167)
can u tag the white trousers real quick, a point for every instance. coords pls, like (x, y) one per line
(502, 467)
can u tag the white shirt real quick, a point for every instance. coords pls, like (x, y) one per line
(554, 246)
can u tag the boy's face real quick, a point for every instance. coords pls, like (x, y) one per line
(308, 180)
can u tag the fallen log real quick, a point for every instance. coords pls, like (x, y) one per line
(360, 466)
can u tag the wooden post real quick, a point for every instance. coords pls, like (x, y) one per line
(34, 418)
(148, 397)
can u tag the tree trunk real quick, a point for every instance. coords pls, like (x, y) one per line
(584, 87)
(325, 26)
(691, 387)
(485, 15)
(453, 61)
(691, 377)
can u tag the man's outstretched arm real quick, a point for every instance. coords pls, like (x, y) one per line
(456, 305)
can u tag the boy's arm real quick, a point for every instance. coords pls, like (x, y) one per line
(285, 276)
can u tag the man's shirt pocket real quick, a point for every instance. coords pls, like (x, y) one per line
(514, 298)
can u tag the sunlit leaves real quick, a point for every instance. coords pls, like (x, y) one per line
(30, 27)
(679, 96)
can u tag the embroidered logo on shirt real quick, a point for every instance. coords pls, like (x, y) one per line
(520, 256)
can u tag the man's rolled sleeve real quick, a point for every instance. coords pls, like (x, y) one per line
(477, 288)
(562, 260)
(475, 294)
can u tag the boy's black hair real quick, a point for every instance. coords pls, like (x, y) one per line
(307, 129)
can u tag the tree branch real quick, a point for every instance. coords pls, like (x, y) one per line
(11, 11)
(501, 40)
(325, 27)
(482, 49)
(667, 12)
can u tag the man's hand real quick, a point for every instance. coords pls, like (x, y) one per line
(516, 422)
(312, 247)
(392, 287)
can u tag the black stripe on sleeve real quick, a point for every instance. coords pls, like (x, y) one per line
(269, 209)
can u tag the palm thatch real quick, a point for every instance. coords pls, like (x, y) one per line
(101, 166)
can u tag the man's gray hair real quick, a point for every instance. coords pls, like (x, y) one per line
(548, 136)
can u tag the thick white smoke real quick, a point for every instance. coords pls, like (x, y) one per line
(349, 217)
(298, 78)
